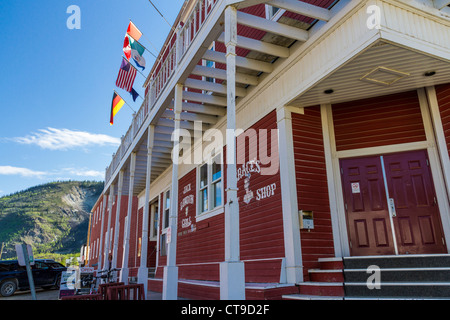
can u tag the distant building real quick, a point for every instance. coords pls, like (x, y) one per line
(344, 111)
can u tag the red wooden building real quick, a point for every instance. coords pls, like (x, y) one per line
(284, 147)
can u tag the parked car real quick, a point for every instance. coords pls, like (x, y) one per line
(46, 275)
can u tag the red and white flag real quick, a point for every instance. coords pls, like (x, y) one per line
(127, 74)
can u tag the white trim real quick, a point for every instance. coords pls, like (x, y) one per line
(289, 197)
(328, 143)
(439, 134)
(436, 168)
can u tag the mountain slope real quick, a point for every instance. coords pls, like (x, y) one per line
(53, 217)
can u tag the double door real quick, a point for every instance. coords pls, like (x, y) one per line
(391, 206)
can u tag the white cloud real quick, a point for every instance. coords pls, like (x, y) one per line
(68, 173)
(84, 173)
(64, 139)
(24, 172)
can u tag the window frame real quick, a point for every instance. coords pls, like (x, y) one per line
(211, 211)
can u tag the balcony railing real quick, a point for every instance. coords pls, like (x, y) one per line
(173, 52)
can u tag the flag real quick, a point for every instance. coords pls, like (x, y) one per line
(136, 52)
(134, 94)
(127, 74)
(126, 47)
(116, 105)
(134, 32)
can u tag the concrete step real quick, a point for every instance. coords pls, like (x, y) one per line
(401, 261)
(401, 275)
(321, 288)
(310, 297)
(398, 289)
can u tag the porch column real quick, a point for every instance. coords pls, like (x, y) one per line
(102, 221)
(170, 284)
(108, 230)
(143, 270)
(116, 225)
(126, 243)
(232, 273)
(291, 225)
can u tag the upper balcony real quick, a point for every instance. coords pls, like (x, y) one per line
(272, 35)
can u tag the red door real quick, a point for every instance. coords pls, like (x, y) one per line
(417, 220)
(367, 213)
(411, 195)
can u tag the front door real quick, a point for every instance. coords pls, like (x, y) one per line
(391, 206)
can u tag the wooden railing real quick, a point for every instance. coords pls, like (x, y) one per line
(174, 51)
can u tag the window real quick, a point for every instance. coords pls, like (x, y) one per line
(154, 220)
(209, 64)
(210, 190)
(166, 209)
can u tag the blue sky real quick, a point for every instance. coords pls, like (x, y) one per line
(57, 84)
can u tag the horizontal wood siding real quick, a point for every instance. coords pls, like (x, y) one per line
(380, 121)
(312, 186)
(261, 219)
(443, 96)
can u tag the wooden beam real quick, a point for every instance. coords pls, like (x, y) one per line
(205, 98)
(188, 116)
(202, 108)
(284, 30)
(212, 87)
(222, 75)
(260, 46)
(241, 62)
(303, 8)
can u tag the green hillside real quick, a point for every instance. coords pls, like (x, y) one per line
(53, 217)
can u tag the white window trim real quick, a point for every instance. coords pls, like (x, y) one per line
(163, 218)
(217, 210)
(154, 205)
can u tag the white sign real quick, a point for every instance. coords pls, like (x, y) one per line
(21, 256)
(169, 235)
(356, 188)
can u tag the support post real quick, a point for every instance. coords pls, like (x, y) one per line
(100, 249)
(143, 270)
(108, 230)
(291, 225)
(170, 284)
(126, 243)
(232, 273)
(117, 222)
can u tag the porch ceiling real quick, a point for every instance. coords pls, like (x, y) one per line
(387, 62)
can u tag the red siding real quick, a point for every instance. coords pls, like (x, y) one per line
(443, 96)
(312, 187)
(378, 121)
(261, 220)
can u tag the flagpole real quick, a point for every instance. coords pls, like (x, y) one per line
(124, 101)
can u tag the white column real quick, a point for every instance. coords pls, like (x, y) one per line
(108, 230)
(329, 146)
(291, 225)
(143, 270)
(116, 225)
(102, 221)
(232, 273)
(170, 283)
(126, 243)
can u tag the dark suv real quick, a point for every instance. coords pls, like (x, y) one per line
(46, 274)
